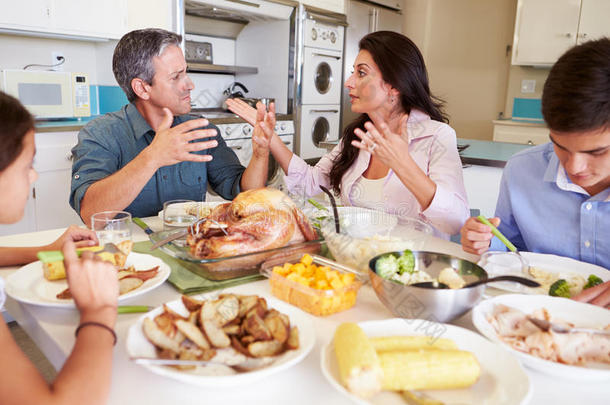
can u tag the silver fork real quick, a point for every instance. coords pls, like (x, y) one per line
(545, 326)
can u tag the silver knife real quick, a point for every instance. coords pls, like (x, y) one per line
(173, 236)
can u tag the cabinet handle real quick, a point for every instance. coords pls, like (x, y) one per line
(529, 142)
(236, 147)
(245, 3)
(324, 55)
(569, 35)
(323, 111)
(583, 35)
(286, 142)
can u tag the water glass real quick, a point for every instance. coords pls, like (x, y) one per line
(175, 213)
(112, 226)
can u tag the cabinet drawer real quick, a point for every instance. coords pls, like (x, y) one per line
(521, 134)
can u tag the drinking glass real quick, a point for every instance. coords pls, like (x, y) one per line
(112, 226)
(175, 213)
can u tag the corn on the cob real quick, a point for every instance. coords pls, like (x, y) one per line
(56, 271)
(428, 369)
(396, 343)
(358, 363)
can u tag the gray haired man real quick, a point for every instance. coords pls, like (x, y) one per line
(149, 151)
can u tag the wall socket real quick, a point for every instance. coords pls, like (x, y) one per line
(528, 86)
(57, 57)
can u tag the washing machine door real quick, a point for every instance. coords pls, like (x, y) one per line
(323, 77)
(321, 81)
(320, 131)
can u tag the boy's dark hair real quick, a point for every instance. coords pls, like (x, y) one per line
(15, 123)
(576, 95)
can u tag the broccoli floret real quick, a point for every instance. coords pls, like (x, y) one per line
(406, 262)
(592, 281)
(560, 288)
(386, 266)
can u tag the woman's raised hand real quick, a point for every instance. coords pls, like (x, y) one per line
(389, 147)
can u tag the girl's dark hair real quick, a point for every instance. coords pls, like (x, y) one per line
(576, 95)
(15, 123)
(402, 66)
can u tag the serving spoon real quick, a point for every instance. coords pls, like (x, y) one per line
(517, 279)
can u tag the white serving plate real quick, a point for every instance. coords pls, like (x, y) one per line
(578, 313)
(502, 382)
(501, 263)
(29, 286)
(211, 376)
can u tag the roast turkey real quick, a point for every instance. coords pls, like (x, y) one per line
(255, 220)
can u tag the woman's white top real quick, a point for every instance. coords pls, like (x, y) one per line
(368, 193)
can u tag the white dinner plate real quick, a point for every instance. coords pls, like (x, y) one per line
(502, 382)
(208, 204)
(584, 315)
(501, 263)
(28, 284)
(211, 376)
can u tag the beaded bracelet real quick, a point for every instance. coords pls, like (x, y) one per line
(101, 325)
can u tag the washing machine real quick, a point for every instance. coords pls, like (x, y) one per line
(321, 83)
(318, 124)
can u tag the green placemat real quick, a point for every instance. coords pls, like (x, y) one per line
(186, 281)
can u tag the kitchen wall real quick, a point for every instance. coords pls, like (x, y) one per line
(465, 44)
(516, 76)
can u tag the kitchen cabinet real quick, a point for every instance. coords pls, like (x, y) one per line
(52, 190)
(545, 29)
(336, 6)
(524, 133)
(150, 14)
(47, 206)
(87, 19)
(482, 184)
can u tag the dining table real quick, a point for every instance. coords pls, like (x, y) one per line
(52, 329)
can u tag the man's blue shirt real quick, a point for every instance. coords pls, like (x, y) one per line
(542, 211)
(110, 142)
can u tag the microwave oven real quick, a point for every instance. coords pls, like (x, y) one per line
(48, 94)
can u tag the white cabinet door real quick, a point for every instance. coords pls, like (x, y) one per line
(94, 18)
(544, 30)
(149, 14)
(54, 166)
(527, 135)
(25, 14)
(594, 20)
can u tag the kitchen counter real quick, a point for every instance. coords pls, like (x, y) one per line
(75, 124)
(53, 331)
(475, 151)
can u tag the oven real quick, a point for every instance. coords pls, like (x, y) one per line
(238, 137)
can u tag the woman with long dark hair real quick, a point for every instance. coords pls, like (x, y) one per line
(85, 376)
(399, 155)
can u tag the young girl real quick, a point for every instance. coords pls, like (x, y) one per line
(93, 284)
(399, 155)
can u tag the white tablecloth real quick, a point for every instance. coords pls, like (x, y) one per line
(53, 331)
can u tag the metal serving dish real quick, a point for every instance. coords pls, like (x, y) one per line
(224, 268)
(436, 305)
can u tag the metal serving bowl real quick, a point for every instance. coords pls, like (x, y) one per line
(437, 305)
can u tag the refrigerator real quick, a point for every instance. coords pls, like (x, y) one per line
(363, 17)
